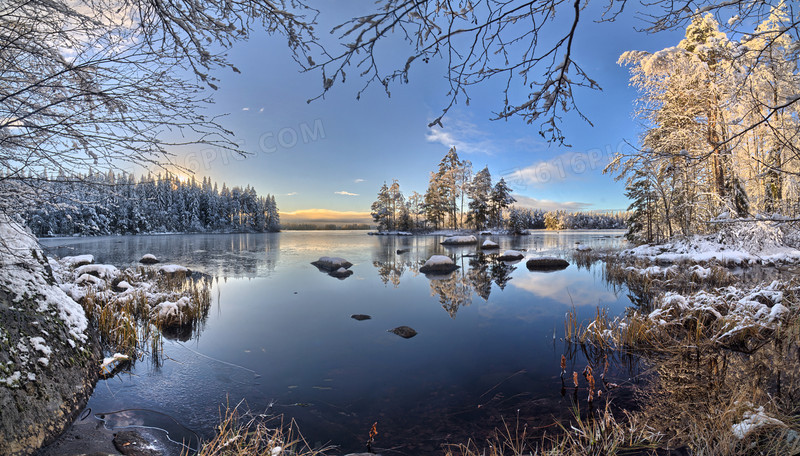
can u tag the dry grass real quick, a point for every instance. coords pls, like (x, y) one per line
(241, 433)
(125, 320)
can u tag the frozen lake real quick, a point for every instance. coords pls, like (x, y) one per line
(280, 335)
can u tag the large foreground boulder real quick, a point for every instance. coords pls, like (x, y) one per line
(546, 264)
(49, 360)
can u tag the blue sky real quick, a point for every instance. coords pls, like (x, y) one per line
(326, 160)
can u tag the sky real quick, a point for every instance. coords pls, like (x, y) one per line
(326, 160)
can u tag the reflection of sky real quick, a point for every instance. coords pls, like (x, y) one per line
(566, 287)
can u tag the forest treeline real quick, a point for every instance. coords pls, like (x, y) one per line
(456, 198)
(102, 204)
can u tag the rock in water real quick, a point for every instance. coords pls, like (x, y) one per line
(404, 331)
(148, 258)
(460, 240)
(360, 317)
(546, 264)
(131, 443)
(438, 263)
(511, 255)
(331, 264)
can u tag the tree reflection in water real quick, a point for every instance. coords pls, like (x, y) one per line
(476, 274)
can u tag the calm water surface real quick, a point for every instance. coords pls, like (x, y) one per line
(279, 335)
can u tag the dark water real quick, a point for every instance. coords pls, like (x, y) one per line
(279, 335)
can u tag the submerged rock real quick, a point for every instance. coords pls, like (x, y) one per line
(546, 264)
(341, 273)
(438, 263)
(360, 317)
(401, 251)
(331, 264)
(405, 332)
(131, 443)
(148, 258)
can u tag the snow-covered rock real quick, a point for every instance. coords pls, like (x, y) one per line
(331, 264)
(173, 269)
(103, 271)
(546, 264)
(511, 255)
(49, 363)
(77, 260)
(148, 258)
(488, 245)
(438, 263)
(460, 240)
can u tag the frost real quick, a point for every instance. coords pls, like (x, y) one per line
(753, 420)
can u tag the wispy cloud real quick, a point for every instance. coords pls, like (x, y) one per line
(261, 110)
(291, 194)
(345, 193)
(465, 136)
(325, 215)
(245, 109)
(358, 181)
(566, 166)
(550, 205)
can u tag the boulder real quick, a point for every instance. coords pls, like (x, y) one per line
(546, 264)
(48, 352)
(331, 264)
(460, 240)
(148, 258)
(511, 255)
(438, 263)
(405, 332)
(489, 245)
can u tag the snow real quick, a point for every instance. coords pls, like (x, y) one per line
(23, 275)
(106, 366)
(487, 244)
(172, 268)
(104, 271)
(39, 344)
(124, 285)
(333, 263)
(753, 420)
(583, 248)
(168, 310)
(77, 260)
(515, 253)
(148, 256)
(756, 243)
(438, 260)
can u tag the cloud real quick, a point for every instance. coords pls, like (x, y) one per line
(342, 192)
(358, 181)
(560, 168)
(325, 216)
(465, 136)
(291, 194)
(549, 205)
(261, 110)
(245, 109)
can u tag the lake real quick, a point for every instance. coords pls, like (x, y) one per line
(280, 336)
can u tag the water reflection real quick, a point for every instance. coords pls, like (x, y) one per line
(244, 255)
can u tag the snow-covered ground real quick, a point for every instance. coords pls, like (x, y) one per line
(752, 243)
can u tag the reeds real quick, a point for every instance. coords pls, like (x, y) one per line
(241, 433)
